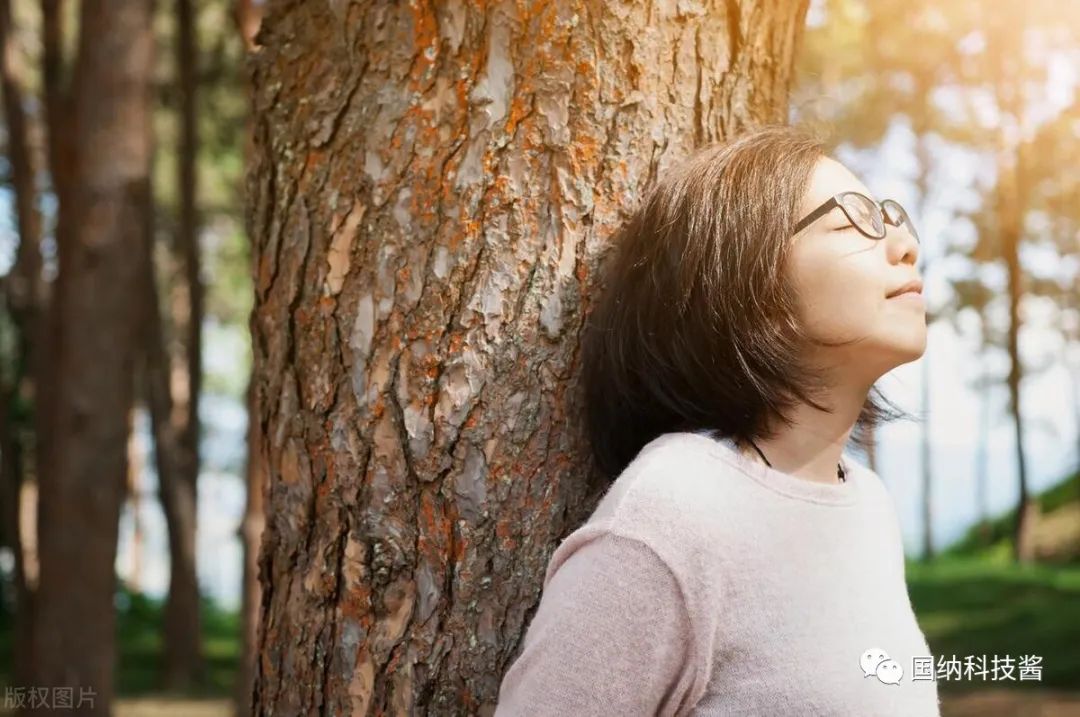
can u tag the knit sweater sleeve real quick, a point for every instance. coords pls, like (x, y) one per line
(611, 635)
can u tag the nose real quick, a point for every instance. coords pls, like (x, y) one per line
(902, 246)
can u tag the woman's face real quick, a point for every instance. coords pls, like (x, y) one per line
(843, 278)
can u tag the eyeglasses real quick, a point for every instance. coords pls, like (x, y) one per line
(864, 213)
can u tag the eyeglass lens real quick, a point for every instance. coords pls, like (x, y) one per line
(867, 215)
(899, 217)
(864, 213)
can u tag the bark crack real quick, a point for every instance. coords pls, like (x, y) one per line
(699, 130)
(336, 119)
(331, 628)
(734, 28)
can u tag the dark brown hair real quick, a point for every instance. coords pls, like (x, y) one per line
(696, 325)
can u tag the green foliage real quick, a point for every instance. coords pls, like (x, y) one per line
(995, 535)
(139, 645)
(221, 106)
(988, 605)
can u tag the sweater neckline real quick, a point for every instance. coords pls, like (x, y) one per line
(845, 493)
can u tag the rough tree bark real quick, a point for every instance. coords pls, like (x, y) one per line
(431, 192)
(104, 212)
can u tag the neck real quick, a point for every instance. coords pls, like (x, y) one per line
(811, 446)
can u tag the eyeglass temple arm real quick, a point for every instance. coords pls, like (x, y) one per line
(819, 212)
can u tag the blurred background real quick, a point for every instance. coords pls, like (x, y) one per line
(965, 112)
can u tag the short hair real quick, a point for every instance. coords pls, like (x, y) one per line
(696, 326)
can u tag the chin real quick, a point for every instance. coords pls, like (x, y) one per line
(912, 350)
(897, 350)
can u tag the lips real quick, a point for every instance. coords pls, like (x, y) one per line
(911, 286)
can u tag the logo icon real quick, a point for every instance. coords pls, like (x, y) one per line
(877, 663)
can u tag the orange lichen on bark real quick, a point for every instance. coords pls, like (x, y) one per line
(425, 42)
(584, 153)
(313, 160)
(582, 272)
(519, 105)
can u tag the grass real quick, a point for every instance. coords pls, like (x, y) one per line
(977, 606)
(139, 641)
(973, 599)
(996, 534)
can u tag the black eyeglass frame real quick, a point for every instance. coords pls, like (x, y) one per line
(837, 201)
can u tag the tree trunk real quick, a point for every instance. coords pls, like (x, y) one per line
(1011, 206)
(96, 322)
(982, 447)
(136, 469)
(11, 488)
(430, 196)
(922, 189)
(1011, 209)
(251, 531)
(927, 465)
(175, 490)
(178, 381)
(248, 17)
(59, 113)
(25, 297)
(1072, 338)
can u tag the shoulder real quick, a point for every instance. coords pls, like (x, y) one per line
(665, 501)
(675, 480)
(879, 503)
(648, 527)
(870, 483)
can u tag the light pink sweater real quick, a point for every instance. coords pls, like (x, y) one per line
(706, 583)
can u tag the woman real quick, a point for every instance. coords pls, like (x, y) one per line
(742, 562)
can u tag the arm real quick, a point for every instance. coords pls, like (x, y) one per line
(611, 636)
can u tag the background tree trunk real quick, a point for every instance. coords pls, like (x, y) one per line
(179, 394)
(25, 296)
(921, 126)
(105, 211)
(430, 196)
(59, 114)
(251, 530)
(135, 492)
(1011, 193)
(247, 16)
(175, 489)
